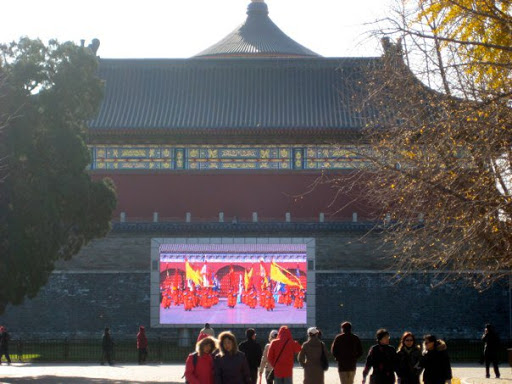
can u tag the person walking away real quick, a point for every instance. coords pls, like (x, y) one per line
(230, 364)
(253, 353)
(346, 349)
(435, 361)
(107, 346)
(310, 358)
(199, 365)
(142, 345)
(208, 330)
(281, 355)
(265, 366)
(4, 345)
(381, 359)
(409, 356)
(491, 347)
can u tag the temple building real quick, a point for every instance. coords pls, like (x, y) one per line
(225, 148)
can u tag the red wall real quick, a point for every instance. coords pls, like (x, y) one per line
(204, 195)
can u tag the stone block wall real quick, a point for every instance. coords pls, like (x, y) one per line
(108, 284)
(415, 303)
(82, 304)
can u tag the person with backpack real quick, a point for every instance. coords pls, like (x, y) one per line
(313, 358)
(281, 355)
(199, 367)
(4, 344)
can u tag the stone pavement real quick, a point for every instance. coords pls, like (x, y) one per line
(18, 373)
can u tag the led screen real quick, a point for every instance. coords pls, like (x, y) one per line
(233, 283)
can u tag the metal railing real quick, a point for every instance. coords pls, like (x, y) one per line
(172, 350)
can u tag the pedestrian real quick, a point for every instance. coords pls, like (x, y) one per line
(208, 330)
(142, 345)
(107, 346)
(346, 349)
(230, 364)
(253, 353)
(199, 365)
(435, 361)
(491, 347)
(409, 356)
(4, 345)
(281, 355)
(310, 358)
(381, 359)
(265, 366)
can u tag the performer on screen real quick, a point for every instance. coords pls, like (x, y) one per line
(204, 274)
(299, 299)
(232, 294)
(240, 294)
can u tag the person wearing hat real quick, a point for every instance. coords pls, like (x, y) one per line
(208, 330)
(265, 366)
(382, 360)
(252, 351)
(310, 358)
(346, 349)
(4, 344)
(281, 355)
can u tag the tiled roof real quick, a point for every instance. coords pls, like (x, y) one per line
(257, 94)
(257, 36)
(233, 248)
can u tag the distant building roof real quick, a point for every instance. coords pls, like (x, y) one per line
(257, 36)
(231, 95)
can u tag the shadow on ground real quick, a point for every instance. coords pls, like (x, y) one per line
(73, 380)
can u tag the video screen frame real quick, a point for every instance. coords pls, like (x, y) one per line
(158, 244)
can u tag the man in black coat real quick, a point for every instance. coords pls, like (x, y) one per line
(491, 347)
(346, 349)
(253, 353)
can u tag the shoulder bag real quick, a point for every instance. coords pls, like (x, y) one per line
(270, 375)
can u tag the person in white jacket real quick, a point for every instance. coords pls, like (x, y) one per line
(265, 365)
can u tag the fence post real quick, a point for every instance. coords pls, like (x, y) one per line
(66, 349)
(159, 349)
(19, 350)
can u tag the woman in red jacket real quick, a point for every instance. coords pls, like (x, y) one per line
(281, 355)
(142, 345)
(199, 365)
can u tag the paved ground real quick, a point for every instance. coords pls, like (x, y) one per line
(132, 374)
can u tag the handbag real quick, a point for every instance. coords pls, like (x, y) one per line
(270, 374)
(323, 359)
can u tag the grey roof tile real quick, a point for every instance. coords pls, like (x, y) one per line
(230, 94)
(259, 36)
